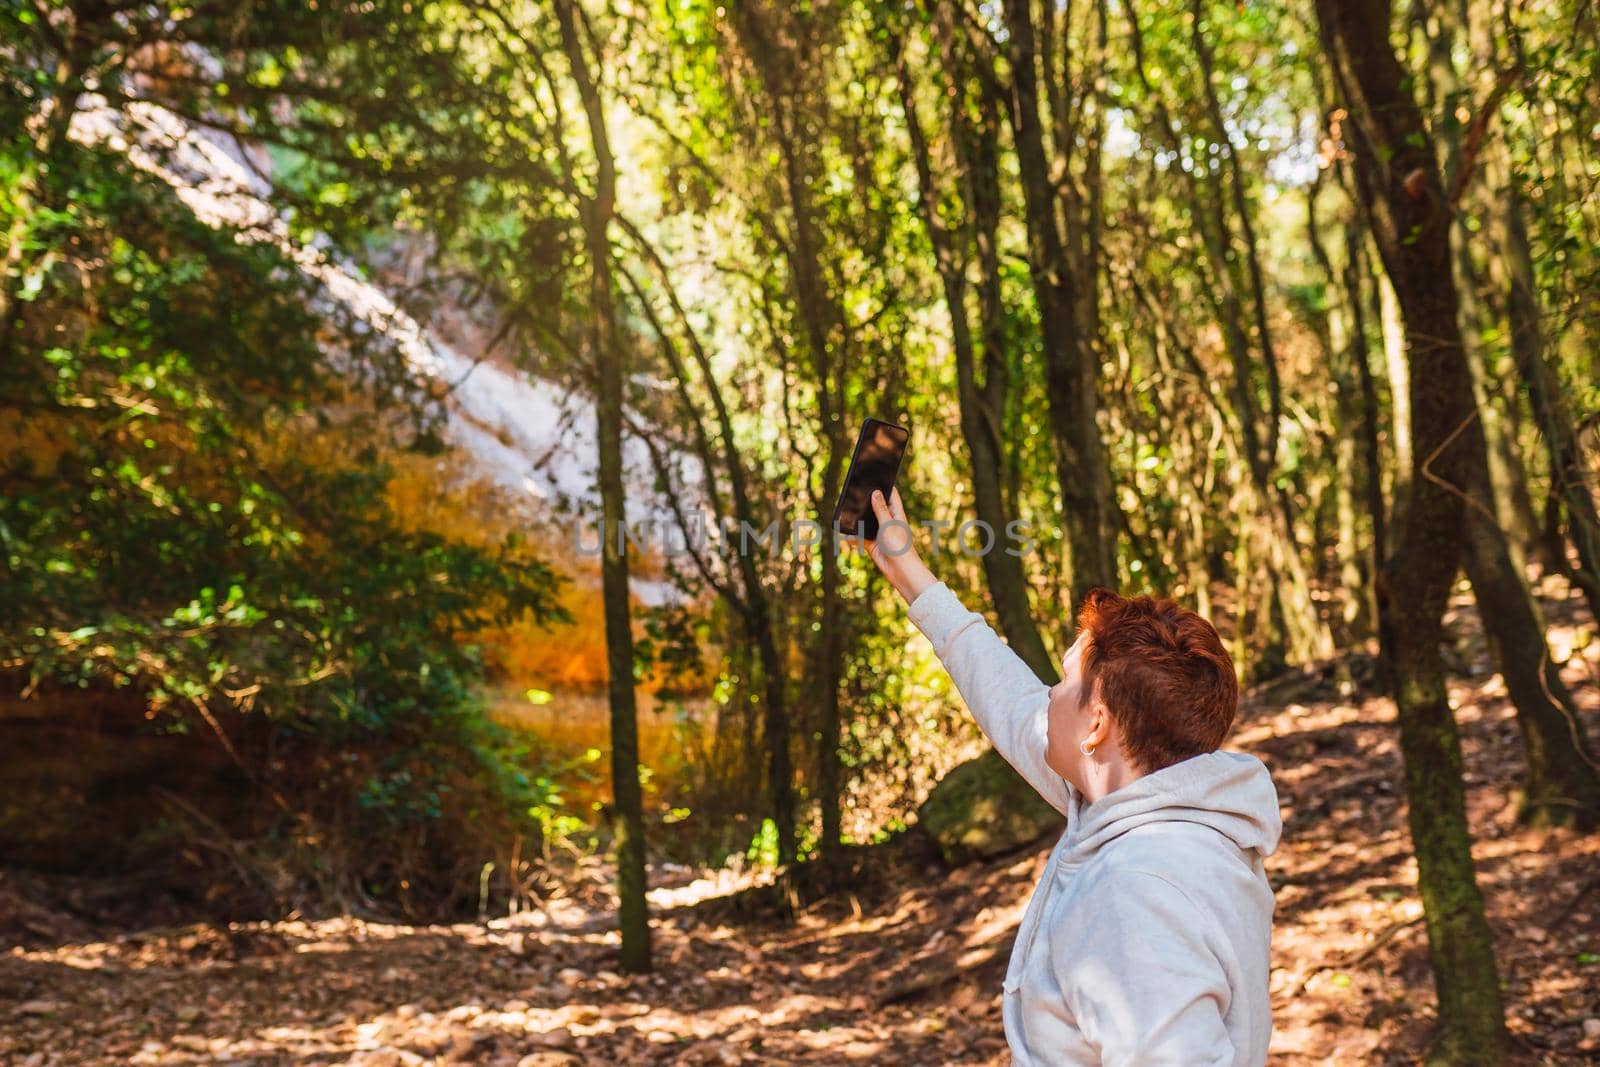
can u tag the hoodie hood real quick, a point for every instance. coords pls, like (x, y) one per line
(1231, 792)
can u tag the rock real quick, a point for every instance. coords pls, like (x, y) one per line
(188, 1013)
(40, 1007)
(1591, 1029)
(983, 809)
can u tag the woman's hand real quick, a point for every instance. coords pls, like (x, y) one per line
(894, 551)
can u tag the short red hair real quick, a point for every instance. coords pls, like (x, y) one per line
(1162, 672)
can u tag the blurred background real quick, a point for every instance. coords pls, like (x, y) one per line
(332, 333)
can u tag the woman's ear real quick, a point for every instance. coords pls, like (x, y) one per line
(1099, 724)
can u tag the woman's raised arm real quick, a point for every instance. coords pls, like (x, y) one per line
(1005, 696)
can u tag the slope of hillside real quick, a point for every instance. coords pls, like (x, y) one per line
(532, 437)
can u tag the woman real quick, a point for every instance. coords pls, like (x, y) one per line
(1147, 939)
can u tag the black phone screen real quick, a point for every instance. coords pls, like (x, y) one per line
(879, 449)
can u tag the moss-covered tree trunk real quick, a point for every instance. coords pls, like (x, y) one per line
(1400, 184)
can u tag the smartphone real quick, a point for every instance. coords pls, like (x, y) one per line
(876, 461)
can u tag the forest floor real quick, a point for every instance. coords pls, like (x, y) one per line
(904, 975)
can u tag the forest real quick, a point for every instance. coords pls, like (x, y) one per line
(419, 421)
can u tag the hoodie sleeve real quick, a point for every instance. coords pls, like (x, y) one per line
(1005, 696)
(1142, 978)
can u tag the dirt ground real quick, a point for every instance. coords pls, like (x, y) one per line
(840, 984)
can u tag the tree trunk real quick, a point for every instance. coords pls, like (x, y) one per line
(1371, 454)
(821, 320)
(1400, 183)
(982, 402)
(1398, 375)
(1569, 481)
(1258, 292)
(1346, 349)
(751, 601)
(1562, 785)
(1293, 611)
(628, 800)
(829, 786)
(819, 314)
(1443, 24)
(1072, 371)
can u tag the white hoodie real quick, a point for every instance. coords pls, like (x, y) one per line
(1147, 939)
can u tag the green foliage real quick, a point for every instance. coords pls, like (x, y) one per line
(162, 530)
(152, 537)
(763, 850)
